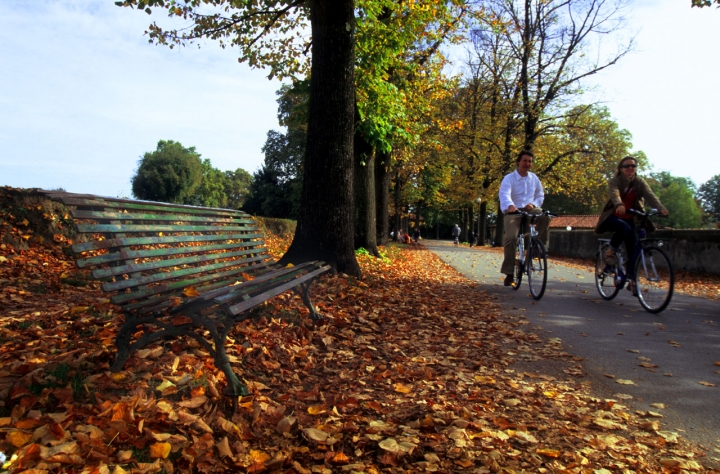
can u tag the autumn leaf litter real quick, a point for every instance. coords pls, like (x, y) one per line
(410, 372)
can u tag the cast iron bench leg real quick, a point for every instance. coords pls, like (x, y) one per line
(304, 292)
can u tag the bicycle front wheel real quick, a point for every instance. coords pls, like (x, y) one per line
(537, 269)
(518, 274)
(606, 276)
(654, 279)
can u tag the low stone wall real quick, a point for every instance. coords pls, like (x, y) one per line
(689, 250)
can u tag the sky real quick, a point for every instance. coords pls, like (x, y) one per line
(83, 95)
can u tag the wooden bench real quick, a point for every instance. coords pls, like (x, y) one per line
(180, 270)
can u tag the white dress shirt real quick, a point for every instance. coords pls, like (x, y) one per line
(519, 191)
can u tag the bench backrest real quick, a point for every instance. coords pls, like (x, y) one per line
(153, 254)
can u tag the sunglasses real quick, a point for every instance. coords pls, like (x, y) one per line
(628, 166)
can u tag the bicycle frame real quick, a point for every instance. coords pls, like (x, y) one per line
(532, 233)
(638, 253)
(652, 280)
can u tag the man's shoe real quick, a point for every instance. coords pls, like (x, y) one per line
(632, 287)
(508, 280)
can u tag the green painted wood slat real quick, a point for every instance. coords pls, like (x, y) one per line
(100, 273)
(175, 288)
(95, 201)
(147, 279)
(112, 228)
(175, 217)
(165, 239)
(161, 252)
(254, 301)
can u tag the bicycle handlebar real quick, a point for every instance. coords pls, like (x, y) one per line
(650, 213)
(529, 214)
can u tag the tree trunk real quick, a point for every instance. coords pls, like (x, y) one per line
(483, 223)
(398, 209)
(364, 193)
(499, 227)
(325, 220)
(382, 193)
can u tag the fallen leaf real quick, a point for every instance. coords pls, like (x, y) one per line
(160, 450)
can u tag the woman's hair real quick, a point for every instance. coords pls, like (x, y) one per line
(523, 153)
(619, 166)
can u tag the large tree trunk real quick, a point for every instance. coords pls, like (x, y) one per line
(398, 208)
(382, 193)
(482, 231)
(364, 190)
(499, 228)
(325, 220)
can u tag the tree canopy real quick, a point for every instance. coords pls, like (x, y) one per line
(678, 195)
(171, 173)
(709, 195)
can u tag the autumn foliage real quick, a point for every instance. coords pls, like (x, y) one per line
(412, 370)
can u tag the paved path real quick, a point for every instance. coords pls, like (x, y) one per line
(679, 346)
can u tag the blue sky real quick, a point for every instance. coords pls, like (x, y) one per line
(83, 95)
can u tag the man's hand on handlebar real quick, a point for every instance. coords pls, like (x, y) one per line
(512, 209)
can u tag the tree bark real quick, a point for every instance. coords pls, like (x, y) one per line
(483, 223)
(325, 220)
(499, 228)
(382, 193)
(364, 191)
(398, 209)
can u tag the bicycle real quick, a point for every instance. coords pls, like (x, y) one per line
(654, 279)
(535, 265)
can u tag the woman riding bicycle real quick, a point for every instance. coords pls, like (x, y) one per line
(626, 191)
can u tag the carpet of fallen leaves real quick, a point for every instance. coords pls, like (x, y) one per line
(409, 372)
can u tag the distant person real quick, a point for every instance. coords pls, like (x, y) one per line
(520, 189)
(416, 235)
(626, 191)
(456, 234)
(471, 237)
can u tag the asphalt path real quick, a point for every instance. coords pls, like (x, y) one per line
(677, 347)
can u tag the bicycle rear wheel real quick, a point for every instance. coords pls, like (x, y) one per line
(654, 279)
(606, 276)
(537, 269)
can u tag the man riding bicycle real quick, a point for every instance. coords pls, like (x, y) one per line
(520, 189)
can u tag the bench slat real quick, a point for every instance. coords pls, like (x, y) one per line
(145, 280)
(161, 252)
(129, 229)
(254, 301)
(126, 216)
(100, 273)
(94, 201)
(222, 295)
(144, 297)
(260, 284)
(165, 239)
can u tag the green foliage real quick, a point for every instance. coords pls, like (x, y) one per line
(276, 187)
(678, 195)
(237, 187)
(171, 173)
(705, 3)
(211, 191)
(265, 31)
(709, 195)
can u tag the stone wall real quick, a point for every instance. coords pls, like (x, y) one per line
(689, 250)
